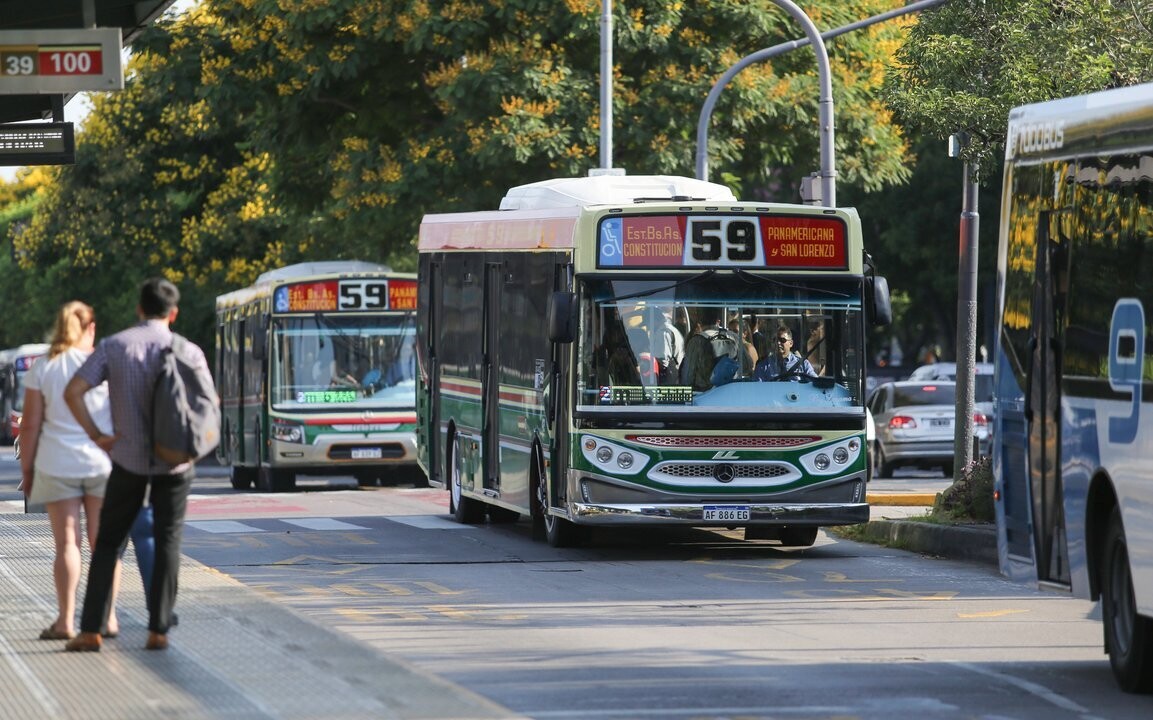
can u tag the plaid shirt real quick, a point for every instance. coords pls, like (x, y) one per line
(130, 361)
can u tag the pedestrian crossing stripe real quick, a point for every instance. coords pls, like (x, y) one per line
(236, 527)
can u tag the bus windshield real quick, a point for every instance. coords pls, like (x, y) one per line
(764, 344)
(327, 362)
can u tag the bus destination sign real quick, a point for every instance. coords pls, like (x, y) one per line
(802, 242)
(345, 295)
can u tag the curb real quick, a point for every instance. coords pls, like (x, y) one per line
(902, 499)
(956, 542)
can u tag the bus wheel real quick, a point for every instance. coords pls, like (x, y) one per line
(464, 510)
(1128, 636)
(272, 480)
(557, 531)
(241, 477)
(367, 479)
(799, 536)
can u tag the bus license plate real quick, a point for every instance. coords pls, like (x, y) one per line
(366, 453)
(726, 512)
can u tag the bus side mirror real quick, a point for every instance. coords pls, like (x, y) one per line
(882, 305)
(562, 317)
(258, 343)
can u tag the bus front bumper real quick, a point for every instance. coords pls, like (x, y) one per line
(823, 514)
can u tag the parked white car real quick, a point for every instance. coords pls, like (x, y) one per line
(914, 425)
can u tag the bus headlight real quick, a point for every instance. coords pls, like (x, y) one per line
(285, 431)
(832, 458)
(612, 458)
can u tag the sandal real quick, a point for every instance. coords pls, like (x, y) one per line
(51, 633)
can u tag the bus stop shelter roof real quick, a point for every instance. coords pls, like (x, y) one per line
(131, 16)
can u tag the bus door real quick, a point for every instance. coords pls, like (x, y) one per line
(1043, 402)
(491, 374)
(428, 409)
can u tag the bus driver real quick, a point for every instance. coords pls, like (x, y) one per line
(782, 363)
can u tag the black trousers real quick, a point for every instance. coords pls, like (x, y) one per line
(122, 502)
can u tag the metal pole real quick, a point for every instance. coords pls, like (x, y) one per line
(702, 165)
(607, 84)
(966, 320)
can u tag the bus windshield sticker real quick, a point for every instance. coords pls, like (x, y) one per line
(745, 241)
(326, 397)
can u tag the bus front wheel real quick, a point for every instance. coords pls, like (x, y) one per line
(798, 536)
(556, 531)
(1128, 635)
(464, 510)
(242, 477)
(272, 480)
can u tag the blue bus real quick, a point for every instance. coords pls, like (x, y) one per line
(1073, 425)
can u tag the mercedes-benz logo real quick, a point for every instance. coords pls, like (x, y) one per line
(724, 472)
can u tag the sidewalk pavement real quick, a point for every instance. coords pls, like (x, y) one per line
(236, 655)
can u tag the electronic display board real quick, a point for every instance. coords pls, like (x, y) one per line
(752, 241)
(345, 295)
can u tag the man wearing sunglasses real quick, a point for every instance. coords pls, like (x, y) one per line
(781, 362)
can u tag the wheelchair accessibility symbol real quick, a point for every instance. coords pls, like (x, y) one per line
(610, 243)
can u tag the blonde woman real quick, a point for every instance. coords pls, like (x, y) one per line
(61, 466)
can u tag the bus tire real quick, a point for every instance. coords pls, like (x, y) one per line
(241, 477)
(367, 479)
(271, 480)
(556, 531)
(1128, 635)
(465, 510)
(799, 535)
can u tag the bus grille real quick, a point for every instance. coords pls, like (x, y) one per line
(677, 473)
(724, 443)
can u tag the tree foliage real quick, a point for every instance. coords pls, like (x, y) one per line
(255, 133)
(968, 62)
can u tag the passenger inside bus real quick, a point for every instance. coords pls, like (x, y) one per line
(616, 363)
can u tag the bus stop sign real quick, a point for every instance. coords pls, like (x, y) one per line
(60, 61)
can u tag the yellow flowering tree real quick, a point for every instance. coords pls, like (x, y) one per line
(253, 133)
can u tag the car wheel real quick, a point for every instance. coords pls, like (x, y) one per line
(884, 467)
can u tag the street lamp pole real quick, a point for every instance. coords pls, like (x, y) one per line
(828, 175)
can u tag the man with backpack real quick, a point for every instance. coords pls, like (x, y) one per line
(133, 361)
(711, 353)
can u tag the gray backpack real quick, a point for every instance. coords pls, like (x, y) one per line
(185, 406)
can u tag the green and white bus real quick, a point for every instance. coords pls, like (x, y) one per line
(549, 387)
(316, 372)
